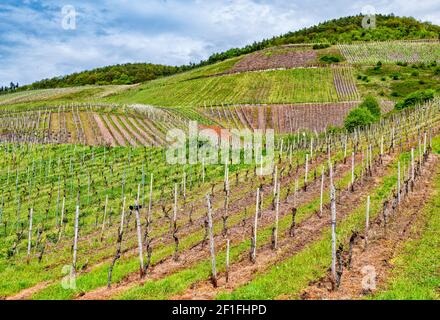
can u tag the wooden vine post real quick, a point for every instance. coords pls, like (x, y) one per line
(322, 193)
(30, 234)
(277, 212)
(352, 172)
(118, 248)
(105, 217)
(398, 182)
(227, 259)
(306, 173)
(75, 241)
(139, 236)
(367, 223)
(211, 243)
(333, 224)
(176, 239)
(253, 254)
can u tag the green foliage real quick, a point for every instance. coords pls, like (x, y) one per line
(321, 46)
(330, 58)
(372, 105)
(415, 98)
(118, 74)
(358, 117)
(310, 85)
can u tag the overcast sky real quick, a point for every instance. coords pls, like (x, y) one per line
(38, 40)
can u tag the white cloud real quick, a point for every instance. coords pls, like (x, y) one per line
(34, 46)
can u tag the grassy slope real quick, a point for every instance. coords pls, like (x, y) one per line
(416, 273)
(394, 82)
(286, 86)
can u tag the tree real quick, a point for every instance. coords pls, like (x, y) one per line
(358, 117)
(372, 105)
(415, 98)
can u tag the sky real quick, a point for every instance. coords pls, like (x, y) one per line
(44, 39)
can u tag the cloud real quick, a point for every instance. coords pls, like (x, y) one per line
(34, 45)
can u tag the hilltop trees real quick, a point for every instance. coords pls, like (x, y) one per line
(6, 89)
(129, 73)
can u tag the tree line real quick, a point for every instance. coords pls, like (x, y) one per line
(342, 30)
(11, 88)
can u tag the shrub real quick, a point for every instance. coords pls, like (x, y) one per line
(415, 98)
(437, 71)
(378, 66)
(358, 117)
(320, 46)
(330, 58)
(372, 105)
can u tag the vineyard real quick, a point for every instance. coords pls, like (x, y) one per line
(282, 118)
(91, 208)
(277, 87)
(74, 93)
(86, 124)
(392, 52)
(127, 225)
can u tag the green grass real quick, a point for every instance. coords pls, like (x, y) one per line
(416, 269)
(393, 82)
(285, 86)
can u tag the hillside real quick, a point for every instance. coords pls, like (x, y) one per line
(93, 208)
(342, 30)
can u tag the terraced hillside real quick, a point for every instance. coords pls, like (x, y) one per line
(49, 191)
(90, 207)
(100, 124)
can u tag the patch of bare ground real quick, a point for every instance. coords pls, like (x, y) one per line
(375, 260)
(27, 293)
(105, 133)
(276, 58)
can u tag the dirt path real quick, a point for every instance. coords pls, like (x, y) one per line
(27, 293)
(380, 249)
(105, 133)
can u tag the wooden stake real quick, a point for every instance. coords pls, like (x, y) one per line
(398, 182)
(30, 234)
(105, 216)
(211, 243)
(367, 222)
(333, 222)
(75, 241)
(227, 260)
(139, 237)
(254, 230)
(322, 193)
(277, 210)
